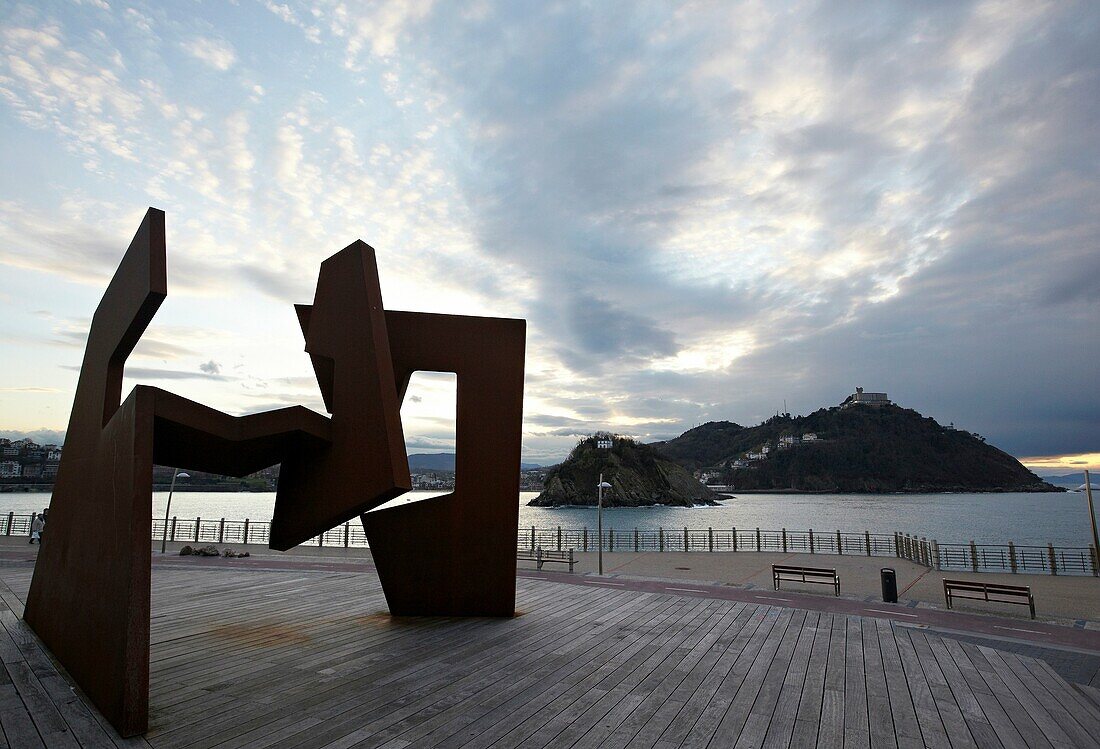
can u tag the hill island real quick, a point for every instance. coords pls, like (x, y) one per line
(638, 474)
(867, 444)
(862, 445)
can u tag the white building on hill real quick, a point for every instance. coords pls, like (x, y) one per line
(867, 399)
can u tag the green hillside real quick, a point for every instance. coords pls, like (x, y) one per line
(638, 475)
(859, 449)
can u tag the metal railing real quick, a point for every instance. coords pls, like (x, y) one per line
(710, 539)
(1049, 559)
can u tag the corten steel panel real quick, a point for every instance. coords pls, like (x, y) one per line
(365, 465)
(89, 597)
(455, 555)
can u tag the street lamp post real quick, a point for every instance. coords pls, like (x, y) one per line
(1092, 518)
(168, 507)
(599, 520)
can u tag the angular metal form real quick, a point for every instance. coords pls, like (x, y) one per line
(455, 555)
(92, 608)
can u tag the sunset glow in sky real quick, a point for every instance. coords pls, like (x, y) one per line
(702, 210)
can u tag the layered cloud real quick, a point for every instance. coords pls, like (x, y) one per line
(703, 211)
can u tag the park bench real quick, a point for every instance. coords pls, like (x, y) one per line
(541, 556)
(795, 573)
(995, 592)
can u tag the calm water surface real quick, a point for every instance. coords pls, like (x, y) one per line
(1061, 519)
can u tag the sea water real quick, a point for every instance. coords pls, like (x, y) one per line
(1058, 518)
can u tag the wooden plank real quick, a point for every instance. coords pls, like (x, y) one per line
(880, 719)
(833, 707)
(1006, 705)
(704, 697)
(809, 714)
(701, 714)
(780, 728)
(761, 686)
(1058, 724)
(900, 700)
(669, 698)
(928, 714)
(857, 729)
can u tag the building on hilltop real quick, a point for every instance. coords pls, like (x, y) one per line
(866, 399)
(9, 469)
(809, 437)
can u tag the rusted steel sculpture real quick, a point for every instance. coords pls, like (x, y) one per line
(452, 555)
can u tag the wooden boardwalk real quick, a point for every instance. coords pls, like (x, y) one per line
(278, 658)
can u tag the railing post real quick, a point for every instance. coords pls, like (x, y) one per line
(198, 521)
(661, 538)
(1095, 559)
(734, 529)
(924, 551)
(1012, 557)
(221, 531)
(585, 537)
(973, 556)
(784, 540)
(936, 551)
(897, 544)
(173, 538)
(867, 537)
(347, 534)
(811, 540)
(839, 543)
(11, 519)
(559, 538)
(1053, 561)
(758, 539)
(686, 540)
(245, 530)
(710, 539)
(532, 538)
(635, 539)
(611, 539)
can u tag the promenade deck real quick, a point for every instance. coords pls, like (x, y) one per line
(263, 657)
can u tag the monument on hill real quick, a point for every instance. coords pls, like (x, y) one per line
(92, 608)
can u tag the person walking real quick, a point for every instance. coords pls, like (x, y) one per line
(37, 526)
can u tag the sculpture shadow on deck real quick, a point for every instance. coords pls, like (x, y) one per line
(452, 555)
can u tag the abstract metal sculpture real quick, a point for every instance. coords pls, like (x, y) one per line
(92, 609)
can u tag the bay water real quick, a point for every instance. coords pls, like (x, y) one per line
(1058, 518)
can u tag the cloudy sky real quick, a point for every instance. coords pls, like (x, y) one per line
(702, 210)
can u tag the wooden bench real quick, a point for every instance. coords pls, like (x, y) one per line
(995, 592)
(794, 573)
(541, 556)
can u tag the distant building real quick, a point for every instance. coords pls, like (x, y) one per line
(53, 454)
(32, 470)
(9, 469)
(765, 450)
(788, 440)
(9, 451)
(866, 399)
(809, 437)
(49, 471)
(740, 463)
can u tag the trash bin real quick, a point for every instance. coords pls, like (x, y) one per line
(889, 585)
